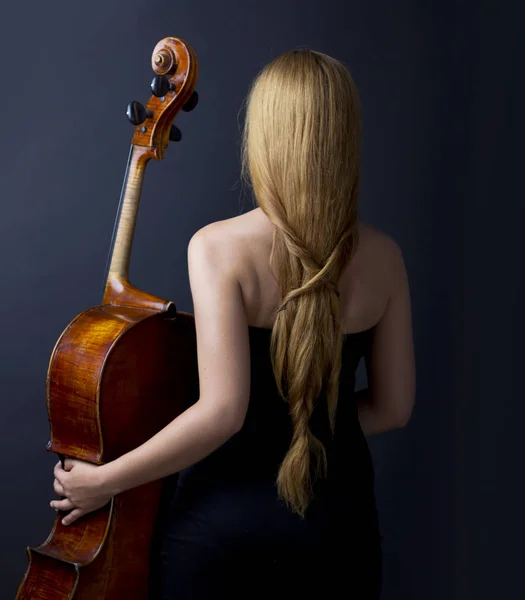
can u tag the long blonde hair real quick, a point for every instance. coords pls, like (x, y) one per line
(301, 154)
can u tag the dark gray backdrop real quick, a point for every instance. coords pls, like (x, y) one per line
(441, 174)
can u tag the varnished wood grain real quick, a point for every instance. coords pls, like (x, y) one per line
(118, 281)
(135, 375)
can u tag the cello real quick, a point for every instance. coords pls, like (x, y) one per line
(119, 373)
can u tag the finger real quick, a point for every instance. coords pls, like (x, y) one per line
(72, 516)
(68, 464)
(58, 471)
(64, 504)
(59, 488)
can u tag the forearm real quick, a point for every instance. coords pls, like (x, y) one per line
(190, 437)
(372, 418)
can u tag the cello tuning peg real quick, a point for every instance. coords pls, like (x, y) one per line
(175, 134)
(137, 113)
(192, 102)
(161, 85)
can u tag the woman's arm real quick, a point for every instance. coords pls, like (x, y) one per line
(371, 419)
(388, 401)
(190, 437)
(224, 372)
(223, 356)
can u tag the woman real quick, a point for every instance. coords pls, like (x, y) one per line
(276, 487)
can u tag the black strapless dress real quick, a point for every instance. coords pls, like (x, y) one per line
(228, 535)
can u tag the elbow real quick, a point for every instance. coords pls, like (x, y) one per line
(403, 419)
(230, 422)
(403, 416)
(236, 426)
(235, 422)
(220, 421)
(228, 426)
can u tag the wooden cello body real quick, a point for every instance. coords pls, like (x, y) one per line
(119, 373)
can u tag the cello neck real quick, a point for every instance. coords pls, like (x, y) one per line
(127, 214)
(175, 65)
(117, 288)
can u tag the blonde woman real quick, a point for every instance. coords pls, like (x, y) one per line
(275, 496)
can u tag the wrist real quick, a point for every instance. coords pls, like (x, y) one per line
(108, 479)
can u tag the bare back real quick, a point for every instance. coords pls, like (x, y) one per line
(374, 294)
(365, 285)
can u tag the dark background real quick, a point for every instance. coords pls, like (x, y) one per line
(442, 170)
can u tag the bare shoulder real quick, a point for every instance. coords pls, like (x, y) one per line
(380, 252)
(228, 230)
(378, 243)
(235, 230)
(224, 241)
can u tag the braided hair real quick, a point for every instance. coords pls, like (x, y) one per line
(301, 154)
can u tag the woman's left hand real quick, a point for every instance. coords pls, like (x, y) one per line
(82, 485)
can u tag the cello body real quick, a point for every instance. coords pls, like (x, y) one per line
(118, 374)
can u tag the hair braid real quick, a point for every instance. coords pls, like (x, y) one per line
(301, 153)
